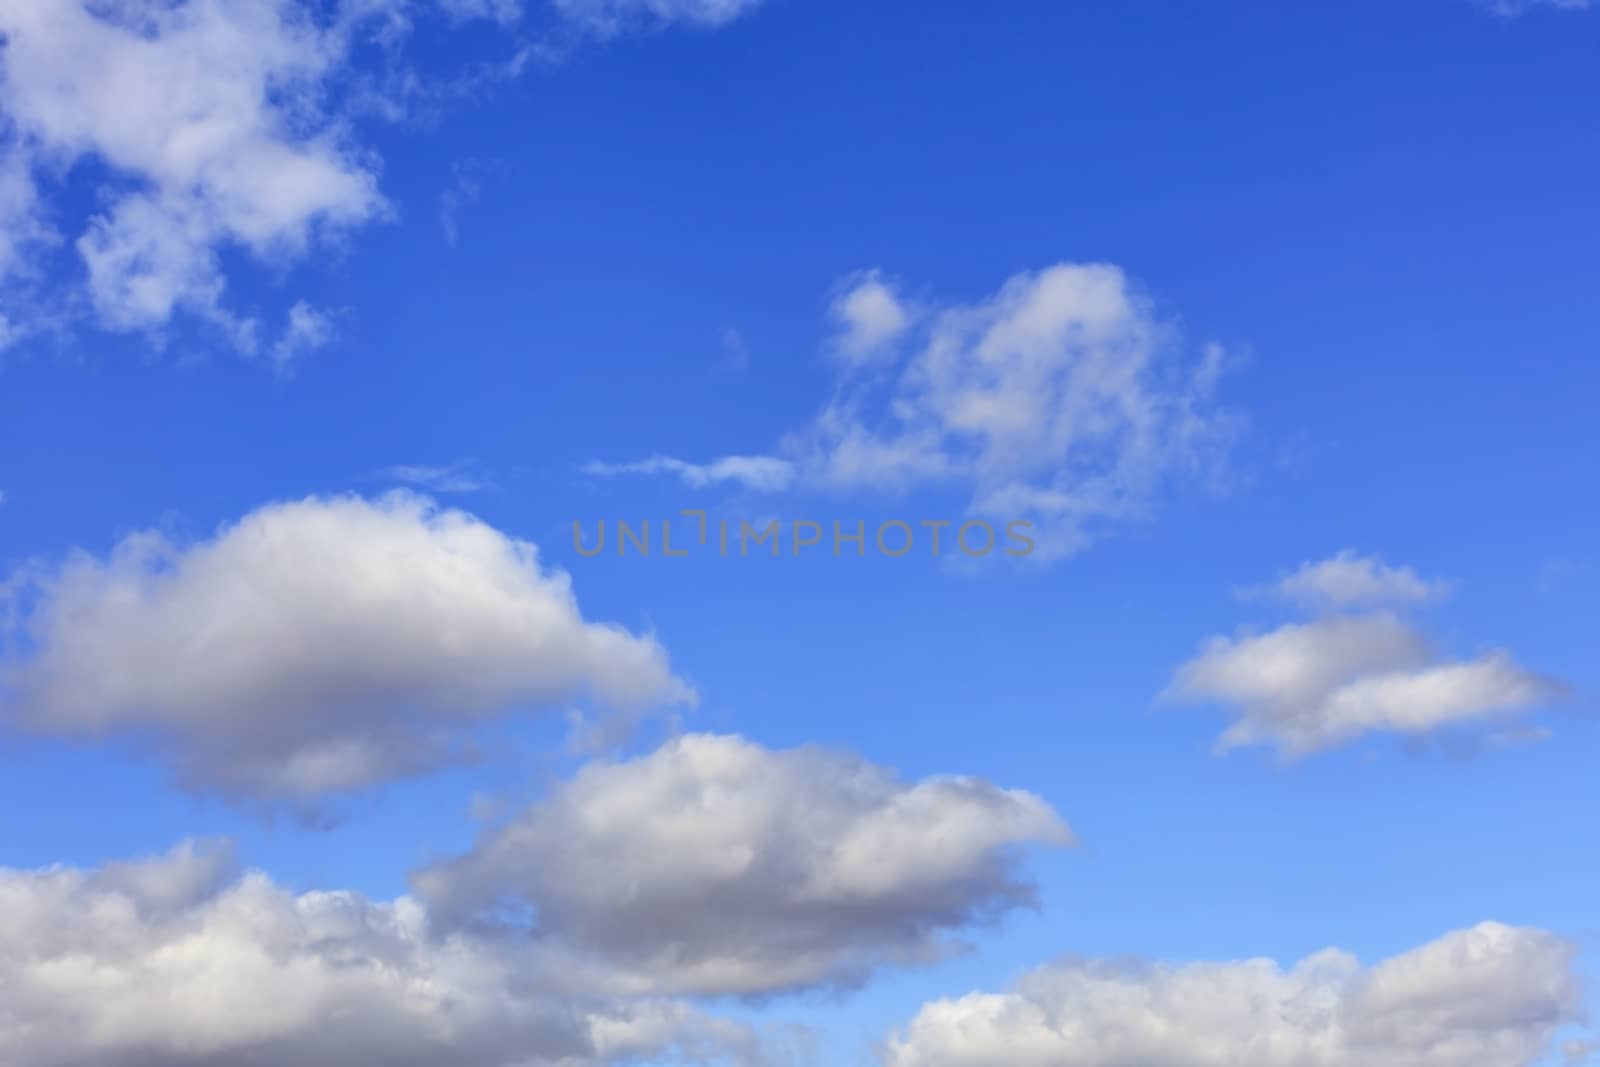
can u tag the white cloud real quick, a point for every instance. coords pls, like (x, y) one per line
(1491, 996)
(209, 114)
(307, 331)
(22, 225)
(870, 317)
(10, 333)
(716, 866)
(1578, 1052)
(1347, 580)
(1513, 8)
(607, 18)
(315, 646)
(174, 962)
(1314, 685)
(1062, 399)
(1057, 389)
(462, 476)
(763, 473)
(467, 180)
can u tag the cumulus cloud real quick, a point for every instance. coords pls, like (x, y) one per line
(174, 961)
(607, 18)
(209, 113)
(1347, 580)
(1314, 685)
(313, 646)
(1310, 686)
(1063, 399)
(762, 473)
(1491, 996)
(716, 866)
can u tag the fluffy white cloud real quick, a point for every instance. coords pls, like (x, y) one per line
(1062, 399)
(174, 962)
(1314, 685)
(717, 866)
(1347, 580)
(607, 18)
(314, 646)
(763, 473)
(1491, 996)
(209, 115)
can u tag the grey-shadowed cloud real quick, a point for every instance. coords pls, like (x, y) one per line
(314, 646)
(717, 866)
(1318, 684)
(178, 961)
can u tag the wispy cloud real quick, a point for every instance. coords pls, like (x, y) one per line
(467, 178)
(608, 18)
(735, 353)
(1064, 399)
(462, 476)
(1514, 8)
(308, 330)
(763, 473)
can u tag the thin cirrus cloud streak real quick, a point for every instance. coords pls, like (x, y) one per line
(313, 647)
(1515, 8)
(462, 476)
(608, 18)
(1490, 996)
(1064, 398)
(223, 126)
(761, 473)
(1308, 686)
(715, 866)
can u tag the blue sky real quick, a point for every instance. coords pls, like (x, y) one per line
(1276, 322)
